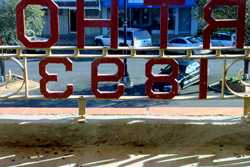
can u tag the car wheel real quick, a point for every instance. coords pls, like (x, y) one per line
(179, 89)
(161, 89)
(99, 43)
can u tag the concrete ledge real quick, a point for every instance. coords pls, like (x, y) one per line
(64, 130)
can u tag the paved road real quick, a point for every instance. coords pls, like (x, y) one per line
(81, 78)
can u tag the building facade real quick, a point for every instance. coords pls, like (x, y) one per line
(182, 20)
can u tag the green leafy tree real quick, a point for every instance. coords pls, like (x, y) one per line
(223, 12)
(33, 20)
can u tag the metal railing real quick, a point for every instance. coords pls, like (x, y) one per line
(133, 53)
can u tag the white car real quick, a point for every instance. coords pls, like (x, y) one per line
(135, 37)
(223, 39)
(31, 35)
(188, 42)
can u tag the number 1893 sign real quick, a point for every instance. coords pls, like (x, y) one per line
(81, 23)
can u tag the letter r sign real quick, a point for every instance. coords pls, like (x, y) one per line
(213, 24)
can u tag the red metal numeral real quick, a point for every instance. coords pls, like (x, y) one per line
(47, 77)
(203, 78)
(238, 24)
(82, 23)
(20, 23)
(107, 78)
(164, 4)
(162, 78)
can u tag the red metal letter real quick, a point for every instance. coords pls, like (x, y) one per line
(82, 23)
(107, 78)
(203, 78)
(47, 77)
(20, 23)
(162, 78)
(238, 24)
(164, 4)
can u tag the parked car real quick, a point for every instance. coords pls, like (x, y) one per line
(189, 74)
(31, 35)
(223, 39)
(188, 41)
(135, 37)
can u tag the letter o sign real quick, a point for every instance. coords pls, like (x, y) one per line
(20, 23)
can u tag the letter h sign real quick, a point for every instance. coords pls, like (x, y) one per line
(82, 23)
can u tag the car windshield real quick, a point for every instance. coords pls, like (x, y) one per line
(222, 37)
(192, 67)
(167, 69)
(194, 40)
(141, 35)
(178, 41)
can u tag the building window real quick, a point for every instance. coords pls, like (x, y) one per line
(171, 19)
(140, 17)
(91, 14)
(146, 17)
(155, 24)
(72, 20)
(184, 20)
(93, 4)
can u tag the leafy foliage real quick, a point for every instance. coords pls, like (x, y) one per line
(33, 20)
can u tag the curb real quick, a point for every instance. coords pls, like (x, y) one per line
(64, 130)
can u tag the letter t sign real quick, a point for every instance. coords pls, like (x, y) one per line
(164, 5)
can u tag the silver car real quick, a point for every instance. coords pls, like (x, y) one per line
(135, 37)
(188, 42)
(223, 39)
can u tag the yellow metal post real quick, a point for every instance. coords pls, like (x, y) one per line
(105, 52)
(48, 52)
(223, 79)
(133, 52)
(77, 52)
(162, 52)
(246, 107)
(82, 110)
(218, 52)
(26, 77)
(189, 52)
(19, 52)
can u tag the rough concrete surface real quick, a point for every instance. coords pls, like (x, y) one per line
(123, 140)
(122, 130)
